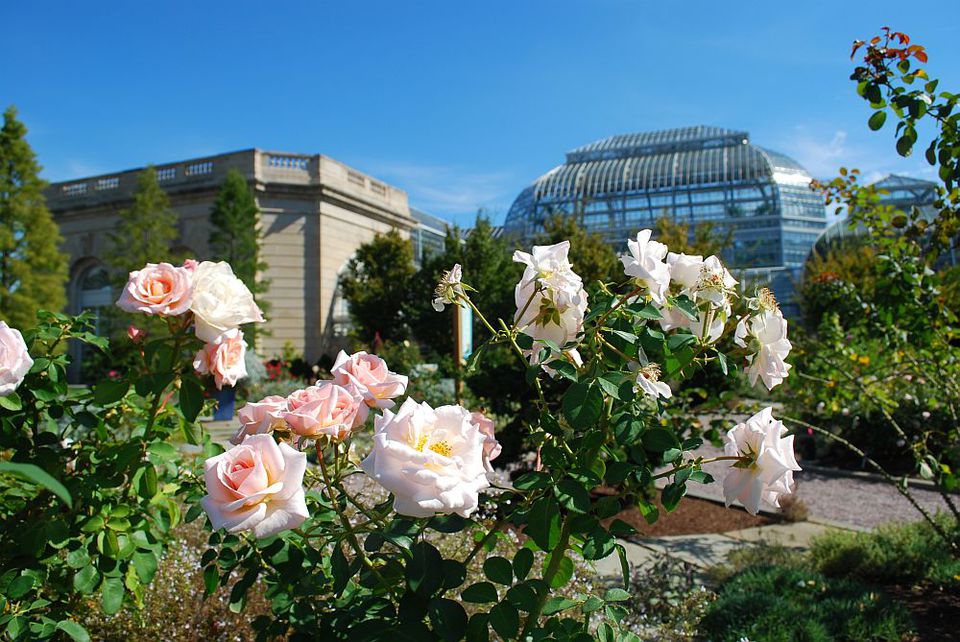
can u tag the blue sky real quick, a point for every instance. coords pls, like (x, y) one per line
(461, 104)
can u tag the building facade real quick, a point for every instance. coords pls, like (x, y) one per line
(622, 184)
(315, 212)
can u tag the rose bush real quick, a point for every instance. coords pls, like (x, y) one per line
(89, 478)
(363, 560)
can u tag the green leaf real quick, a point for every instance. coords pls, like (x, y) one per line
(480, 593)
(505, 619)
(108, 392)
(38, 476)
(564, 571)
(112, 595)
(582, 404)
(686, 307)
(877, 119)
(191, 399)
(671, 495)
(448, 618)
(163, 450)
(11, 401)
(557, 604)
(211, 579)
(86, 579)
(592, 604)
(904, 146)
(532, 481)
(598, 544)
(650, 312)
(477, 628)
(573, 496)
(74, 630)
(543, 524)
(425, 569)
(145, 563)
(616, 595)
(660, 440)
(19, 587)
(499, 570)
(522, 563)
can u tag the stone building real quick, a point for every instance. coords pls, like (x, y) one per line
(315, 212)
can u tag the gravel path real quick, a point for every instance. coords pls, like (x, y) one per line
(847, 500)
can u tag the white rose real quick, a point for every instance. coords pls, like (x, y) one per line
(431, 460)
(766, 335)
(554, 316)
(765, 470)
(644, 262)
(549, 265)
(221, 301)
(15, 361)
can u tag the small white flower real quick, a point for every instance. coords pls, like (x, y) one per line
(449, 289)
(767, 463)
(644, 262)
(925, 414)
(549, 265)
(765, 334)
(648, 380)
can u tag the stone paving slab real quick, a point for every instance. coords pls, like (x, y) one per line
(797, 535)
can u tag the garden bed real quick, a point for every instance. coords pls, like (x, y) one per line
(692, 517)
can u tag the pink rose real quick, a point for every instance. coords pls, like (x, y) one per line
(256, 486)
(190, 265)
(158, 288)
(491, 447)
(15, 361)
(324, 409)
(260, 417)
(369, 373)
(223, 358)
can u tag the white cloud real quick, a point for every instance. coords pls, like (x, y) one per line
(447, 191)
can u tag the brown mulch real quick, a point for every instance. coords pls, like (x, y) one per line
(692, 517)
(935, 611)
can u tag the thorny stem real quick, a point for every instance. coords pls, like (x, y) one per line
(483, 541)
(623, 299)
(887, 476)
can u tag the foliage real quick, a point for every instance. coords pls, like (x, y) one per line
(376, 284)
(355, 568)
(33, 272)
(667, 601)
(235, 236)
(884, 362)
(146, 230)
(177, 584)
(592, 257)
(834, 280)
(896, 553)
(108, 446)
(707, 239)
(775, 604)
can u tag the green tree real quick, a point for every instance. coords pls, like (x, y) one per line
(707, 239)
(235, 231)
(33, 271)
(592, 257)
(146, 231)
(376, 286)
(235, 237)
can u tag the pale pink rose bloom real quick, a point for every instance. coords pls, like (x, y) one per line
(325, 409)
(767, 464)
(561, 328)
(15, 361)
(260, 417)
(648, 382)
(550, 265)
(157, 288)
(373, 380)
(190, 265)
(765, 334)
(491, 447)
(256, 486)
(431, 460)
(223, 358)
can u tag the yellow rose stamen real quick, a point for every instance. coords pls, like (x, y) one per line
(442, 448)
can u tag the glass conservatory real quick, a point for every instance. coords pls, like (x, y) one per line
(622, 184)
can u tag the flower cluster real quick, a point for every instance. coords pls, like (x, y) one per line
(432, 460)
(218, 304)
(550, 298)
